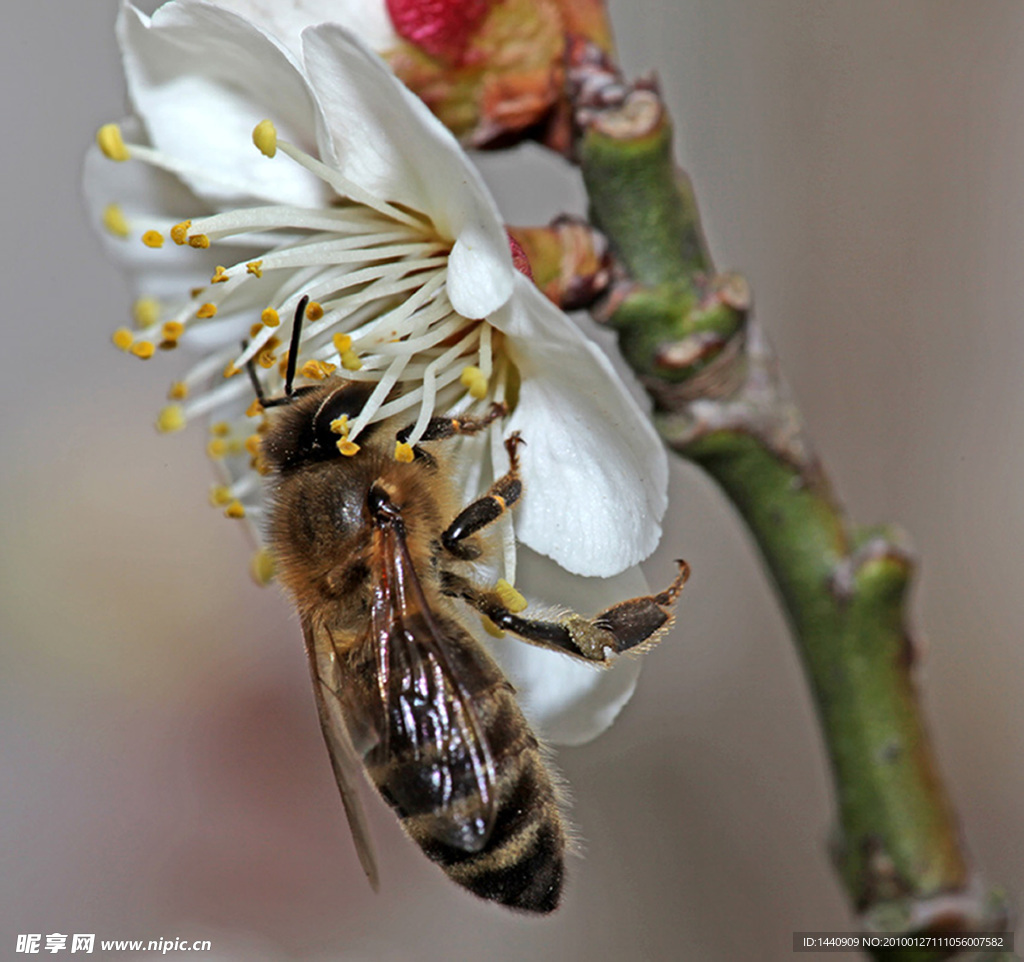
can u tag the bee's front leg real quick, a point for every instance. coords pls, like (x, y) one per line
(501, 496)
(627, 626)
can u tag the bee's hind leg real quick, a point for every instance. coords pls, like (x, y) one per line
(501, 496)
(628, 626)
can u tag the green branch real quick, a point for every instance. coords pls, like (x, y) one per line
(722, 405)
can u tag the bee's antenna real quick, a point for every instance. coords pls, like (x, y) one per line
(250, 369)
(293, 359)
(293, 348)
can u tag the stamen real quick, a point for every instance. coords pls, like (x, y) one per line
(153, 238)
(264, 136)
(142, 349)
(262, 567)
(404, 452)
(347, 188)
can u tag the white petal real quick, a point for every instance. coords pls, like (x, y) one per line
(595, 471)
(567, 701)
(388, 142)
(366, 18)
(201, 78)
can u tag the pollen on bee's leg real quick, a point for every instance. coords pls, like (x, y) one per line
(510, 597)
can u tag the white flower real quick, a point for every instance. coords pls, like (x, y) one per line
(367, 205)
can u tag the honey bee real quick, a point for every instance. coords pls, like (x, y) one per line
(379, 562)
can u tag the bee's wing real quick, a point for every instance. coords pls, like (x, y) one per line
(345, 761)
(433, 760)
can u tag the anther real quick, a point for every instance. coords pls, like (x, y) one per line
(153, 238)
(171, 418)
(348, 448)
(254, 267)
(142, 349)
(264, 136)
(220, 495)
(342, 343)
(404, 452)
(262, 567)
(123, 339)
(206, 310)
(350, 361)
(220, 275)
(199, 241)
(472, 378)
(216, 449)
(178, 391)
(179, 232)
(314, 311)
(110, 141)
(270, 317)
(146, 311)
(172, 330)
(115, 222)
(234, 510)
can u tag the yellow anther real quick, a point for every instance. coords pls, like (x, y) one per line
(491, 628)
(340, 425)
(252, 444)
(179, 232)
(510, 598)
(255, 409)
(123, 339)
(220, 275)
(178, 391)
(266, 358)
(153, 238)
(317, 370)
(473, 380)
(220, 429)
(234, 510)
(230, 370)
(314, 311)
(115, 222)
(142, 349)
(403, 452)
(254, 267)
(236, 446)
(270, 317)
(220, 495)
(262, 567)
(199, 241)
(110, 141)
(264, 136)
(194, 292)
(172, 330)
(206, 310)
(171, 418)
(216, 449)
(342, 343)
(146, 311)
(348, 448)
(350, 361)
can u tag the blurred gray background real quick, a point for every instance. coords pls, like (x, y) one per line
(163, 776)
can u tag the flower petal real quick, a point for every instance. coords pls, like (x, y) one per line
(595, 471)
(566, 700)
(388, 142)
(201, 78)
(367, 18)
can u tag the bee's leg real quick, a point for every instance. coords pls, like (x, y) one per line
(440, 428)
(501, 496)
(623, 627)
